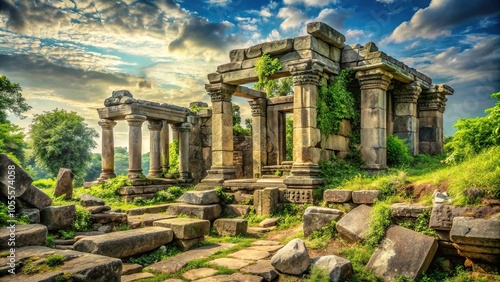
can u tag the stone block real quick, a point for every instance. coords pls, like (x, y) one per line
(237, 55)
(266, 200)
(149, 209)
(231, 263)
(253, 51)
(230, 226)
(263, 269)
(205, 197)
(187, 244)
(268, 222)
(131, 268)
(326, 33)
(337, 196)
(428, 134)
(97, 209)
(305, 118)
(136, 221)
(354, 226)
(365, 196)
(110, 217)
(229, 67)
(403, 252)
(405, 109)
(336, 142)
(316, 218)
(250, 254)
(345, 128)
(64, 183)
(373, 117)
(25, 235)
(335, 54)
(198, 273)
(376, 137)
(442, 215)
(373, 98)
(14, 176)
(207, 212)
(339, 269)
(306, 137)
(307, 42)
(88, 200)
(241, 197)
(137, 241)
(478, 232)
(292, 258)
(32, 214)
(185, 228)
(58, 217)
(36, 198)
(408, 210)
(350, 53)
(278, 46)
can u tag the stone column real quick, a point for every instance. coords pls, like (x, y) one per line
(222, 136)
(374, 84)
(154, 148)
(184, 130)
(259, 140)
(164, 146)
(108, 149)
(306, 135)
(431, 106)
(406, 115)
(135, 145)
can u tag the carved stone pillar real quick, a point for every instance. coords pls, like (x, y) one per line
(306, 135)
(184, 130)
(222, 136)
(154, 148)
(406, 115)
(431, 106)
(164, 146)
(259, 140)
(135, 145)
(108, 149)
(374, 84)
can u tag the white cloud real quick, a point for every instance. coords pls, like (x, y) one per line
(413, 45)
(334, 17)
(312, 3)
(385, 1)
(439, 17)
(354, 33)
(273, 35)
(293, 18)
(265, 13)
(219, 2)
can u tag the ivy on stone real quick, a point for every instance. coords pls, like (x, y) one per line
(265, 67)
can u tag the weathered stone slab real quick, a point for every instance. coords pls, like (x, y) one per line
(58, 217)
(36, 198)
(236, 277)
(266, 200)
(442, 215)
(88, 200)
(136, 276)
(131, 268)
(292, 258)
(265, 243)
(23, 235)
(198, 273)
(136, 221)
(317, 217)
(237, 210)
(326, 33)
(187, 244)
(480, 232)
(270, 249)
(263, 269)
(278, 46)
(110, 217)
(229, 67)
(84, 266)
(338, 268)
(237, 55)
(64, 183)
(250, 254)
(137, 241)
(354, 225)
(365, 196)
(205, 197)
(208, 212)
(403, 252)
(97, 209)
(253, 51)
(408, 210)
(337, 196)
(268, 222)
(231, 263)
(185, 228)
(14, 176)
(32, 214)
(214, 77)
(231, 226)
(150, 209)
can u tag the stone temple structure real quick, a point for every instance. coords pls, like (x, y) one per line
(395, 99)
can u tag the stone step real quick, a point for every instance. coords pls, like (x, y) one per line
(23, 235)
(136, 276)
(85, 266)
(208, 212)
(260, 230)
(64, 242)
(147, 219)
(63, 247)
(185, 228)
(149, 209)
(131, 268)
(127, 243)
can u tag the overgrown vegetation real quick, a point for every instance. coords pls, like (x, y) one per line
(380, 219)
(155, 256)
(398, 153)
(265, 67)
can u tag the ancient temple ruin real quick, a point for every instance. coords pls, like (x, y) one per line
(395, 99)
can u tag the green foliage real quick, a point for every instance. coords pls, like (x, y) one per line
(65, 277)
(93, 170)
(335, 102)
(475, 135)
(12, 140)
(173, 156)
(320, 238)
(55, 260)
(265, 67)
(225, 198)
(123, 227)
(155, 256)
(317, 274)
(161, 197)
(398, 152)
(121, 161)
(4, 214)
(289, 138)
(108, 190)
(83, 221)
(11, 98)
(67, 234)
(62, 139)
(359, 257)
(380, 219)
(290, 215)
(336, 172)
(50, 240)
(238, 130)
(45, 183)
(420, 224)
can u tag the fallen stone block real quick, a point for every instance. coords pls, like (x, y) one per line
(205, 197)
(185, 228)
(187, 244)
(127, 243)
(150, 209)
(136, 221)
(268, 222)
(110, 217)
(98, 209)
(263, 269)
(354, 225)
(36, 198)
(337, 196)
(23, 235)
(207, 212)
(231, 226)
(292, 258)
(58, 217)
(237, 210)
(88, 200)
(64, 183)
(316, 218)
(408, 210)
(403, 252)
(365, 196)
(442, 215)
(32, 214)
(14, 177)
(338, 268)
(131, 268)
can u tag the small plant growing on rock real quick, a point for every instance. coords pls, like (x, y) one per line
(55, 260)
(67, 234)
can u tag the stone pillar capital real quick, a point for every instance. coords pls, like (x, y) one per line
(407, 93)
(305, 73)
(434, 99)
(107, 123)
(182, 127)
(155, 125)
(374, 79)
(258, 106)
(136, 120)
(220, 92)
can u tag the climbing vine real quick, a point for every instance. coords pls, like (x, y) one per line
(265, 67)
(335, 102)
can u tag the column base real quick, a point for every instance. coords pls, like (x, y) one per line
(303, 176)
(134, 174)
(155, 173)
(106, 175)
(216, 176)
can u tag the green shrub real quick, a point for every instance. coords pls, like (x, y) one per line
(420, 224)
(55, 260)
(67, 234)
(108, 190)
(50, 240)
(45, 183)
(173, 157)
(317, 275)
(225, 198)
(398, 152)
(4, 214)
(83, 220)
(380, 219)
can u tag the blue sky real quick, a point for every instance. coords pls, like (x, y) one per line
(72, 54)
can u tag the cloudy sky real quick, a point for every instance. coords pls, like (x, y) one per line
(71, 54)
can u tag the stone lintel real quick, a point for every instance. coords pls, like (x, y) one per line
(245, 92)
(326, 33)
(280, 100)
(151, 112)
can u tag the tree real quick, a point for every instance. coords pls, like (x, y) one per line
(11, 98)
(121, 161)
(94, 167)
(62, 139)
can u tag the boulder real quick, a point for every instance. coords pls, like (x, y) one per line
(231, 226)
(338, 268)
(337, 196)
(58, 217)
(97, 209)
(88, 200)
(206, 197)
(185, 228)
(292, 258)
(317, 217)
(354, 226)
(408, 210)
(36, 198)
(125, 243)
(365, 196)
(13, 179)
(263, 269)
(15, 236)
(64, 183)
(403, 252)
(207, 212)
(268, 222)
(32, 214)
